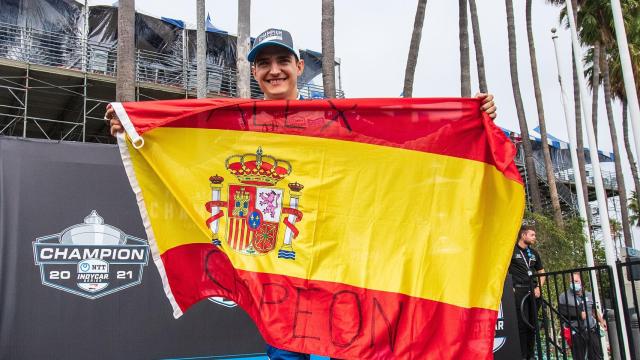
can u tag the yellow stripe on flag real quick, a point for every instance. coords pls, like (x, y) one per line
(418, 223)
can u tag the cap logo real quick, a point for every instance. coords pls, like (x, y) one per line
(271, 35)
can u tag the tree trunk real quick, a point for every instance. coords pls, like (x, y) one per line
(534, 192)
(477, 43)
(414, 49)
(201, 51)
(465, 67)
(579, 138)
(627, 146)
(328, 50)
(622, 191)
(126, 61)
(580, 141)
(548, 164)
(595, 84)
(242, 64)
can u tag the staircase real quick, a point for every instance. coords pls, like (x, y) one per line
(568, 201)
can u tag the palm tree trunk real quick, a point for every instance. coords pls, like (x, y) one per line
(548, 165)
(201, 51)
(578, 117)
(580, 141)
(463, 28)
(242, 64)
(622, 191)
(414, 49)
(477, 43)
(328, 50)
(627, 146)
(534, 192)
(595, 84)
(126, 67)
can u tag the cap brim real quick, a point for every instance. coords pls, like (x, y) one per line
(252, 54)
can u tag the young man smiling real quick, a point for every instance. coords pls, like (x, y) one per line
(276, 66)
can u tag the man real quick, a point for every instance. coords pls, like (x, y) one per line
(276, 66)
(577, 305)
(526, 261)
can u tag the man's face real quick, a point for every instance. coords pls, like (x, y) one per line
(529, 237)
(276, 71)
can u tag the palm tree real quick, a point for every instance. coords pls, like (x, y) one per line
(242, 64)
(414, 49)
(463, 34)
(548, 165)
(595, 28)
(634, 207)
(617, 83)
(627, 146)
(595, 81)
(126, 70)
(477, 44)
(328, 50)
(534, 192)
(622, 191)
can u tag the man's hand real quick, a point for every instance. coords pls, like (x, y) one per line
(536, 292)
(115, 126)
(488, 105)
(603, 325)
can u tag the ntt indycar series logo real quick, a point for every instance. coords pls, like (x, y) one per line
(91, 259)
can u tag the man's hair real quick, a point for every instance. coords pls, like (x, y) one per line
(524, 229)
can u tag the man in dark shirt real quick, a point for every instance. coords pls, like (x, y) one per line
(525, 262)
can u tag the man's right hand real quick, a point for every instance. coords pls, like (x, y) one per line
(115, 126)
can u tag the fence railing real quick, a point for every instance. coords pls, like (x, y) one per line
(69, 51)
(577, 315)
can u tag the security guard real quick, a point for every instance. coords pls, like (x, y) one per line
(526, 261)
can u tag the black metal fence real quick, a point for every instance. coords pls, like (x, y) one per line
(574, 314)
(629, 274)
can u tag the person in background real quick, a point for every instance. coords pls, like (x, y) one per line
(525, 262)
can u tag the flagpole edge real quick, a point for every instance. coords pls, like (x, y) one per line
(153, 245)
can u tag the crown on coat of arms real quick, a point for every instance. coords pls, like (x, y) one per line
(258, 169)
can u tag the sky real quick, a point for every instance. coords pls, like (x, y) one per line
(372, 41)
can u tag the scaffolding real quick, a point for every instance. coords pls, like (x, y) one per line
(56, 86)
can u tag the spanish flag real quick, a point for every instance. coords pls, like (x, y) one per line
(356, 229)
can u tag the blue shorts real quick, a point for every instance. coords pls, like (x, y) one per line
(279, 354)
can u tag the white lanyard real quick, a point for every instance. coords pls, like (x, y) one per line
(527, 262)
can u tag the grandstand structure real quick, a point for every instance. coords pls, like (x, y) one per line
(58, 67)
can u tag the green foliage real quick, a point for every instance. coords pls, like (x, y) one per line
(634, 208)
(562, 249)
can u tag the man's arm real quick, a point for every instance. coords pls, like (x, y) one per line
(541, 281)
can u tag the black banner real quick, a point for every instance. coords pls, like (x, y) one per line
(76, 280)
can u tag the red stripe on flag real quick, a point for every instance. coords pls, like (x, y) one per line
(332, 319)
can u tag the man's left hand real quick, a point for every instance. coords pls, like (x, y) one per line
(488, 105)
(536, 292)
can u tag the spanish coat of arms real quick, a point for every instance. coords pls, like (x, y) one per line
(255, 205)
